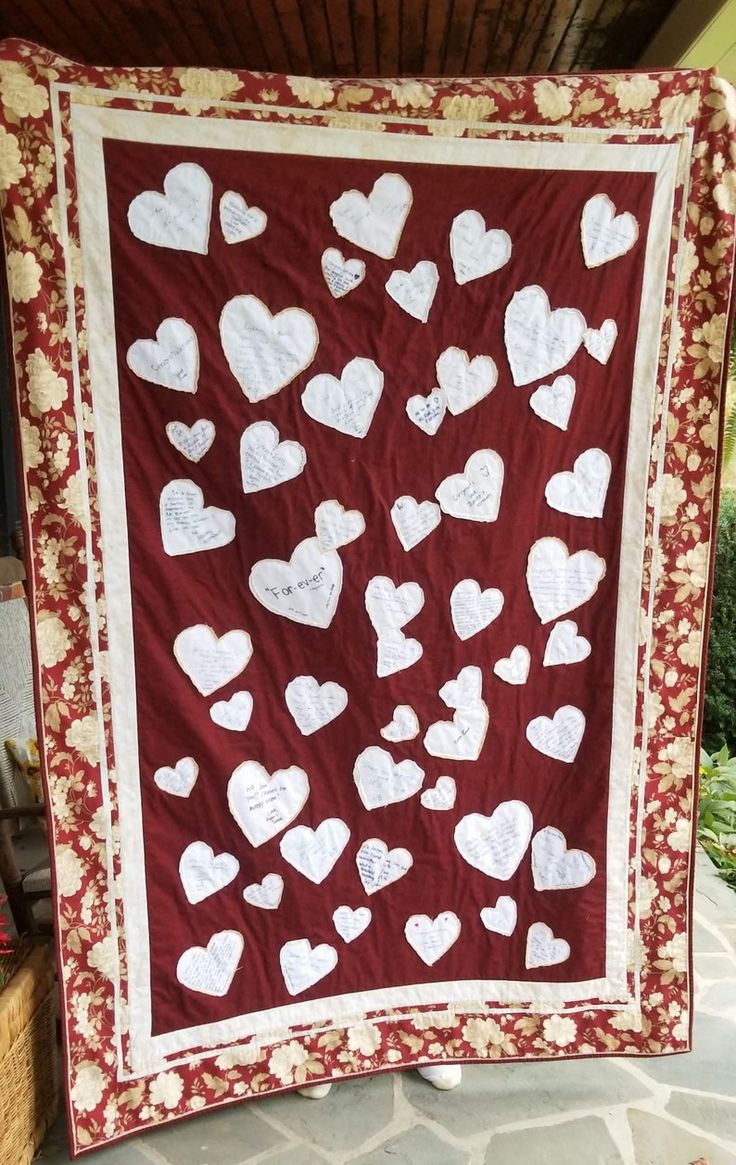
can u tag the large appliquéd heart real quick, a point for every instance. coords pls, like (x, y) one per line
(347, 404)
(414, 521)
(266, 352)
(178, 218)
(465, 381)
(558, 736)
(391, 607)
(559, 581)
(303, 965)
(210, 970)
(171, 360)
(266, 460)
(263, 804)
(382, 781)
(555, 867)
(414, 290)
(460, 738)
(375, 222)
(313, 852)
(305, 589)
(472, 609)
(474, 494)
(496, 845)
(211, 661)
(203, 873)
(379, 866)
(187, 525)
(543, 949)
(606, 235)
(539, 341)
(475, 251)
(313, 705)
(582, 491)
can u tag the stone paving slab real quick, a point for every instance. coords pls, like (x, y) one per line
(417, 1146)
(352, 1114)
(658, 1142)
(584, 1141)
(705, 1112)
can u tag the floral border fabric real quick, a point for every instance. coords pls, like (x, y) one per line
(67, 591)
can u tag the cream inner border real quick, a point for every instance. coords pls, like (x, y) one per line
(90, 126)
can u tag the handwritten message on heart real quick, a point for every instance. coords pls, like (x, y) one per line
(374, 223)
(350, 923)
(476, 252)
(606, 235)
(460, 738)
(559, 581)
(538, 340)
(347, 404)
(379, 866)
(314, 852)
(558, 736)
(266, 352)
(264, 804)
(414, 521)
(178, 779)
(303, 965)
(266, 894)
(305, 589)
(474, 494)
(335, 526)
(471, 609)
(555, 867)
(404, 724)
(396, 652)
(233, 714)
(543, 949)
(340, 274)
(191, 441)
(414, 290)
(171, 360)
(381, 781)
(501, 918)
(390, 607)
(598, 342)
(203, 873)
(209, 660)
(465, 690)
(178, 218)
(514, 668)
(441, 796)
(465, 382)
(266, 460)
(211, 969)
(427, 412)
(313, 705)
(564, 645)
(553, 402)
(238, 221)
(581, 492)
(432, 938)
(496, 844)
(187, 525)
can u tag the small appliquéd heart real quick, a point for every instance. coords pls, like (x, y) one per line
(349, 923)
(441, 796)
(203, 873)
(555, 867)
(462, 737)
(598, 342)
(209, 660)
(553, 402)
(540, 341)
(496, 844)
(306, 589)
(191, 441)
(475, 251)
(427, 412)
(233, 714)
(543, 949)
(314, 852)
(514, 669)
(382, 781)
(414, 521)
(564, 645)
(472, 609)
(263, 803)
(404, 725)
(374, 223)
(558, 736)
(266, 894)
(303, 965)
(314, 705)
(171, 360)
(340, 274)
(474, 494)
(187, 525)
(414, 290)
(396, 652)
(606, 235)
(266, 352)
(211, 969)
(266, 460)
(179, 779)
(465, 381)
(501, 918)
(178, 218)
(559, 581)
(391, 607)
(335, 526)
(465, 690)
(379, 866)
(432, 938)
(238, 221)
(347, 404)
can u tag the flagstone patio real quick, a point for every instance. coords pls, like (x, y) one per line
(670, 1111)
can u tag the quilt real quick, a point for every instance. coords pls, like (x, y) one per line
(368, 434)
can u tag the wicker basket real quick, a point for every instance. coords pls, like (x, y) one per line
(28, 1072)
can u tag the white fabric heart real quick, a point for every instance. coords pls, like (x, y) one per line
(382, 781)
(306, 589)
(553, 402)
(210, 970)
(178, 780)
(267, 893)
(413, 520)
(460, 738)
(431, 938)
(427, 412)
(349, 923)
(395, 652)
(314, 852)
(264, 804)
(303, 965)
(335, 526)
(347, 404)
(374, 223)
(465, 381)
(414, 290)
(379, 866)
(606, 235)
(187, 525)
(496, 845)
(475, 251)
(543, 949)
(559, 581)
(390, 607)
(564, 645)
(178, 218)
(472, 609)
(340, 274)
(540, 341)
(266, 460)
(558, 736)
(474, 494)
(441, 796)
(514, 669)
(598, 342)
(555, 867)
(313, 705)
(404, 725)
(211, 661)
(266, 352)
(191, 441)
(465, 690)
(581, 492)
(203, 873)
(234, 713)
(238, 221)
(501, 918)
(171, 360)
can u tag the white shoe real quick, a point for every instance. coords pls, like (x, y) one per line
(315, 1091)
(442, 1076)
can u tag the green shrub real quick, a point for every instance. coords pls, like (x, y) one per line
(719, 725)
(717, 812)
